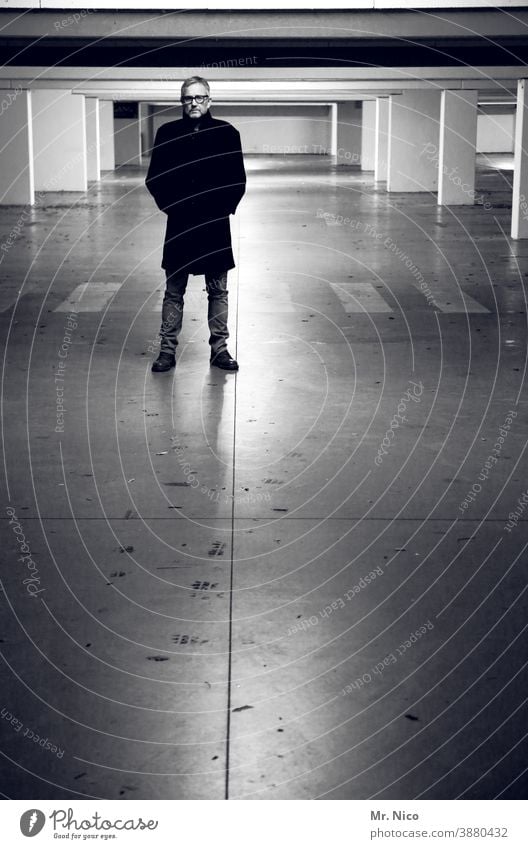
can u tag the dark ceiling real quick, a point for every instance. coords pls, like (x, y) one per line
(268, 53)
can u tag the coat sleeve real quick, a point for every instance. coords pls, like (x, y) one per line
(157, 178)
(238, 174)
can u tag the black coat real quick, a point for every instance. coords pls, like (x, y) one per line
(197, 177)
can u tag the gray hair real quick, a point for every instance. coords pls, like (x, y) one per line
(191, 80)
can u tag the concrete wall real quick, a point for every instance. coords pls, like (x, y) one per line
(414, 117)
(127, 141)
(349, 116)
(368, 135)
(288, 129)
(106, 134)
(16, 144)
(93, 151)
(292, 128)
(59, 141)
(144, 111)
(495, 132)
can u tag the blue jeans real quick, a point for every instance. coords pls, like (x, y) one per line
(172, 310)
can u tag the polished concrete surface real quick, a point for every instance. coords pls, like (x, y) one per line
(301, 581)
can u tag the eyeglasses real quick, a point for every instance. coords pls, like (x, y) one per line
(200, 98)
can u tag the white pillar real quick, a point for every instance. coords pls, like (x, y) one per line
(106, 135)
(381, 152)
(519, 224)
(16, 153)
(414, 118)
(145, 129)
(349, 132)
(333, 129)
(59, 141)
(368, 135)
(458, 139)
(93, 160)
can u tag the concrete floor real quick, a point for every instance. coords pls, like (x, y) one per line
(195, 621)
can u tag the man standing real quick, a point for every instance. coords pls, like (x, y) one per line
(196, 175)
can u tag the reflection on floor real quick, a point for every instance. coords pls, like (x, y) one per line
(302, 581)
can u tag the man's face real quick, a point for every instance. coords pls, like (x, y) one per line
(193, 109)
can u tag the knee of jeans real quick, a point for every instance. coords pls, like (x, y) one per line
(215, 293)
(170, 315)
(172, 297)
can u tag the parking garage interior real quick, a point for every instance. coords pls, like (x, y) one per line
(305, 580)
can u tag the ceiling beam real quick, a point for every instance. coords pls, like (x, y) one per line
(266, 23)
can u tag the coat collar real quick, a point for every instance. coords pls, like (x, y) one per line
(204, 121)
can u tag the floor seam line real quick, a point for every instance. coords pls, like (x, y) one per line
(231, 571)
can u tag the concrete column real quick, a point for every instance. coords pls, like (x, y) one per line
(127, 134)
(519, 225)
(349, 133)
(59, 141)
(333, 129)
(368, 135)
(106, 135)
(93, 158)
(150, 129)
(458, 139)
(381, 151)
(16, 148)
(414, 118)
(143, 128)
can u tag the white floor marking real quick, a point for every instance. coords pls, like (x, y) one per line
(360, 296)
(89, 297)
(450, 299)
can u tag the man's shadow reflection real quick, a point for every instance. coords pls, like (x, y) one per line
(218, 417)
